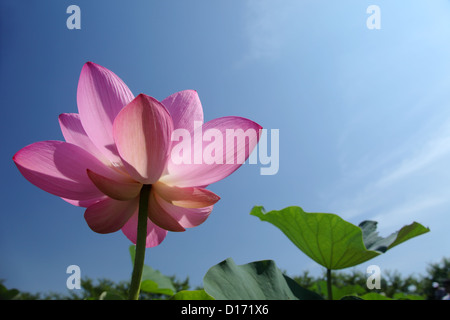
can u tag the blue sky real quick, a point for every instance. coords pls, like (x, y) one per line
(363, 117)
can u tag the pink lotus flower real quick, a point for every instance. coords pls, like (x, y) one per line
(116, 144)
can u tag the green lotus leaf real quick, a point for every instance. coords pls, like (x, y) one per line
(192, 295)
(330, 240)
(260, 280)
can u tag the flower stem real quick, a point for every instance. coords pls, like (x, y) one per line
(139, 257)
(330, 292)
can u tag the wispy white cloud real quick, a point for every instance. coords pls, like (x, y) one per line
(415, 209)
(407, 182)
(430, 152)
(406, 178)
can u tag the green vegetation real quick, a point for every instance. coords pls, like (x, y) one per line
(350, 283)
(393, 284)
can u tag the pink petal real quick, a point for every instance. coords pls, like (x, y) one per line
(125, 189)
(237, 137)
(185, 217)
(74, 133)
(185, 108)
(60, 169)
(85, 203)
(110, 215)
(160, 217)
(101, 95)
(155, 234)
(142, 132)
(188, 197)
